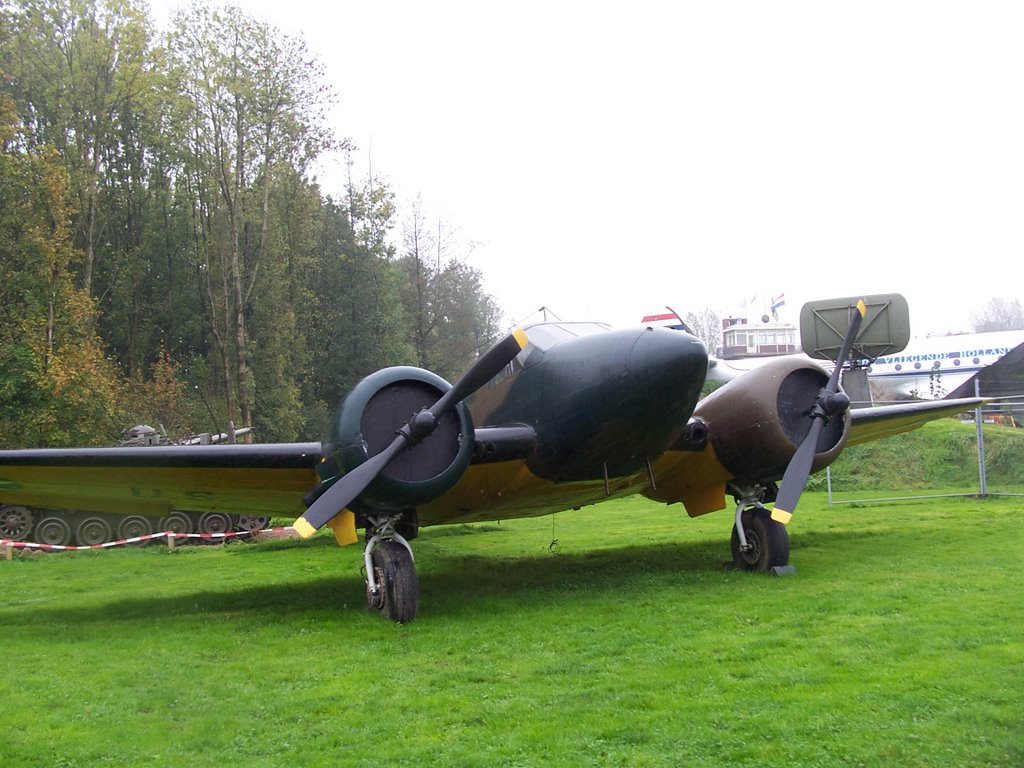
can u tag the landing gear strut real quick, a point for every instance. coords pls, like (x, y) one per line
(392, 587)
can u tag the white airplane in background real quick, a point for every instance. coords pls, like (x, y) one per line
(935, 367)
(930, 369)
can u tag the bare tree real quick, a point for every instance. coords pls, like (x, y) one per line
(999, 315)
(706, 325)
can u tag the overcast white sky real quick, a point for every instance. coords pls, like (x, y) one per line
(611, 158)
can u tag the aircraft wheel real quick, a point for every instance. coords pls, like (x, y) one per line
(133, 526)
(53, 531)
(15, 523)
(92, 531)
(768, 540)
(395, 573)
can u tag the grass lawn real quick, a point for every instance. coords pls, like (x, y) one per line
(898, 642)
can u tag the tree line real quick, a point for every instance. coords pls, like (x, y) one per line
(166, 253)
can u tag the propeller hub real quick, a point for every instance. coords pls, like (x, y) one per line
(421, 425)
(834, 403)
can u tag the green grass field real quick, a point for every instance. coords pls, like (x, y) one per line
(898, 642)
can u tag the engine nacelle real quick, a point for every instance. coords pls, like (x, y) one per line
(757, 426)
(367, 422)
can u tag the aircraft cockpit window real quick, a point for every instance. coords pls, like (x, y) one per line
(544, 336)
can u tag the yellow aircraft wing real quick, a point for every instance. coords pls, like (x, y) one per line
(885, 420)
(262, 479)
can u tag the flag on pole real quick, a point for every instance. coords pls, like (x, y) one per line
(776, 303)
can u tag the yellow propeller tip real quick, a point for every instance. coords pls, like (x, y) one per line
(782, 516)
(303, 528)
(521, 339)
(862, 308)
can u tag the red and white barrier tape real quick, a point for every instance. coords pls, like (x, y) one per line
(134, 540)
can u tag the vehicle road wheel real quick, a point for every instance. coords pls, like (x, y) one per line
(252, 523)
(768, 540)
(178, 522)
(134, 526)
(214, 522)
(53, 531)
(92, 531)
(15, 522)
(395, 573)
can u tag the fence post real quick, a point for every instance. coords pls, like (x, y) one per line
(979, 423)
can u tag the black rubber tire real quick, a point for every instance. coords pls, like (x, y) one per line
(769, 542)
(396, 575)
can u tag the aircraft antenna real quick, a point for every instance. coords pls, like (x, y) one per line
(543, 313)
(682, 322)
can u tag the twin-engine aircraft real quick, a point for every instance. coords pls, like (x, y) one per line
(553, 417)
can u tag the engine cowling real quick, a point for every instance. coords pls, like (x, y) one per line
(366, 422)
(756, 427)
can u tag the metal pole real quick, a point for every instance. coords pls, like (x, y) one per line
(978, 422)
(828, 482)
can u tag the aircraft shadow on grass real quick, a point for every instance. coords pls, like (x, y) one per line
(463, 584)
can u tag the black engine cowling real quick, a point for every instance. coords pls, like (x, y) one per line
(366, 423)
(755, 429)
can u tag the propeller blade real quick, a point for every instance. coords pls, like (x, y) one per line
(483, 370)
(799, 468)
(344, 491)
(797, 472)
(844, 351)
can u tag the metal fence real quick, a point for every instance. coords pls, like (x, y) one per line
(997, 410)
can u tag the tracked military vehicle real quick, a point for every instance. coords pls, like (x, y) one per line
(63, 527)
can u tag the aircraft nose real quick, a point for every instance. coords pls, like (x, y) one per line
(613, 401)
(669, 364)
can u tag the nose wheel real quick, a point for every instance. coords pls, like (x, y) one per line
(392, 587)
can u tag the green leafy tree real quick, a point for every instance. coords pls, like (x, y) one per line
(359, 320)
(255, 100)
(78, 67)
(166, 254)
(281, 322)
(56, 385)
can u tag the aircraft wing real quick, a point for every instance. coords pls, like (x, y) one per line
(256, 480)
(885, 420)
(261, 479)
